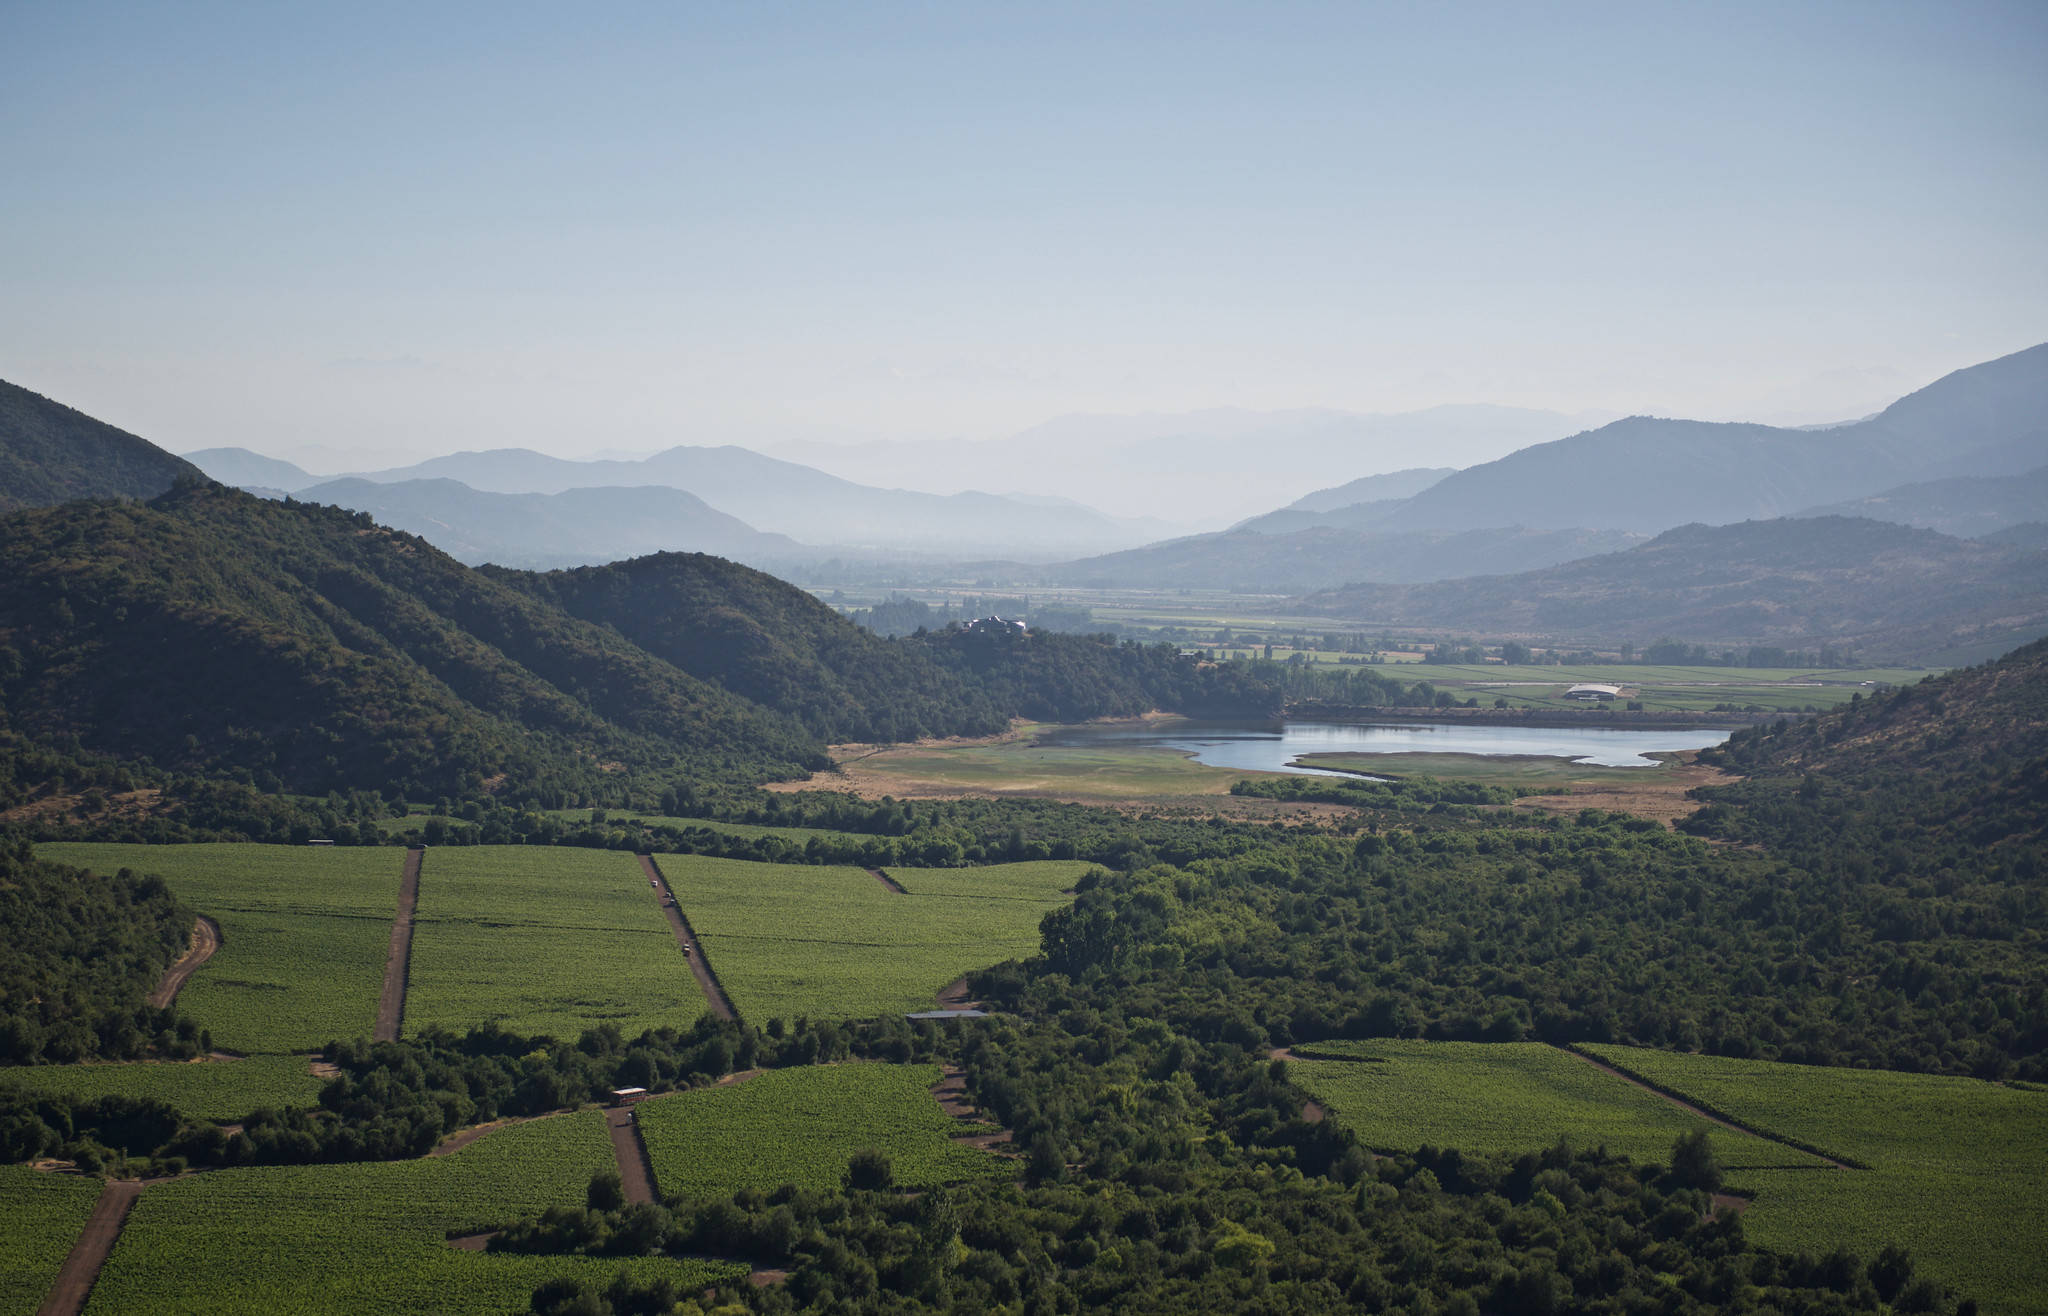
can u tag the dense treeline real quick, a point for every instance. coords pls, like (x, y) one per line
(83, 953)
(1050, 677)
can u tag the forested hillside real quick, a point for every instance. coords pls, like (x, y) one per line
(50, 453)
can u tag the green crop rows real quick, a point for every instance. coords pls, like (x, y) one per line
(304, 931)
(221, 1091)
(365, 1238)
(1958, 1168)
(791, 940)
(802, 1126)
(544, 940)
(1045, 881)
(41, 1215)
(1507, 1097)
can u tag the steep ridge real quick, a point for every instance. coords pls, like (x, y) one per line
(1966, 506)
(1887, 590)
(311, 649)
(51, 454)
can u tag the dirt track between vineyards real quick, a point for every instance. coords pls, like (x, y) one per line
(205, 941)
(398, 961)
(95, 1243)
(1693, 1110)
(636, 1171)
(887, 881)
(686, 937)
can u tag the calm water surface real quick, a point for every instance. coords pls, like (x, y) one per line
(1273, 746)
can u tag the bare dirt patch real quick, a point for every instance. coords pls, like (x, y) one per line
(1660, 795)
(398, 960)
(953, 996)
(951, 1094)
(205, 941)
(887, 881)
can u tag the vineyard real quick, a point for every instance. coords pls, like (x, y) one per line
(792, 940)
(544, 941)
(802, 1126)
(1958, 1167)
(43, 1214)
(1507, 1097)
(221, 1091)
(347, 1239)
(303, 934)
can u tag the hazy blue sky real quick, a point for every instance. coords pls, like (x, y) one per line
(618, 227)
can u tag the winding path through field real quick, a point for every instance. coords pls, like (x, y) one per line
(82, 1267)
(205, 941)
(398, 963)
(686, 937)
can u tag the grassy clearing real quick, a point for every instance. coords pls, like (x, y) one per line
(1536, 771)
(222, 1091)
(790, 940)
(43, 1214)
(543, 940)
(802, 1127)
(304, 931)
(1019, 767)
(1045, 881)
(367, 1238)
(1507, 1097)
(1958, 1168)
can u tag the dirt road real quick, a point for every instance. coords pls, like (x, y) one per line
(1693, 1110)
(636, 1172)
(205, 941)
(887, 881)
(74, 1282)
(398, 962)
(686, 937)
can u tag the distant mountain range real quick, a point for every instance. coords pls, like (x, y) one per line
(1969, 506)
(1249, 561)
(1889, 592)
(1196, 469)
(577, 527)
(765, 494)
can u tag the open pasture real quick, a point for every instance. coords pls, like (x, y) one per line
(364, 1238)
(304, 930)
(1016, 765)
(1507, 1097)
(540, 940)
(219, 1090)
(41, 1215)
(802, 1126)
(1958, 1168)
(791, 940)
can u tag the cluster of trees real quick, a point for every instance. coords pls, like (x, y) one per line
(83, 954)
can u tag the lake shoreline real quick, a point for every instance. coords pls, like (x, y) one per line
(1619, 719)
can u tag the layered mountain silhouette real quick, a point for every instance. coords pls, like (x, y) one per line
(1970, 506)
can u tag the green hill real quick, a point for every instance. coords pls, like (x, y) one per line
(51, 454)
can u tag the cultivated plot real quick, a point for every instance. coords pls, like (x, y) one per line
(365, 1238)
(543, 940)
(791, 940)
(1044, 881)
(304, 932)
(219, 1090)
(802, 1126)
(41, 1215)
(1958, 1168)
(1508, 1097)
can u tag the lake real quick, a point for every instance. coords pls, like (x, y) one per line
(1273, 746)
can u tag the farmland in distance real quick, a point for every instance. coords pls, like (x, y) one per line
(544, 940)
(304, 931)
(792, 940)
(217, 1090)
(365, 1238)
(802, 1126)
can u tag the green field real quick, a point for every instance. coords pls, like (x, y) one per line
(41, 1215)
(1507, 1097)
(543, 940)
(1958, 1167)
(793, 940)
(1045, 881)
(802, 1126)
(363, 1238)
(1542, 772)
(1020, 767)
(304, 932)
(222, 1091)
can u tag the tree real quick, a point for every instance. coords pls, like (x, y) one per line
(1693, 1162)
(607, 1192)
(869, 1171)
